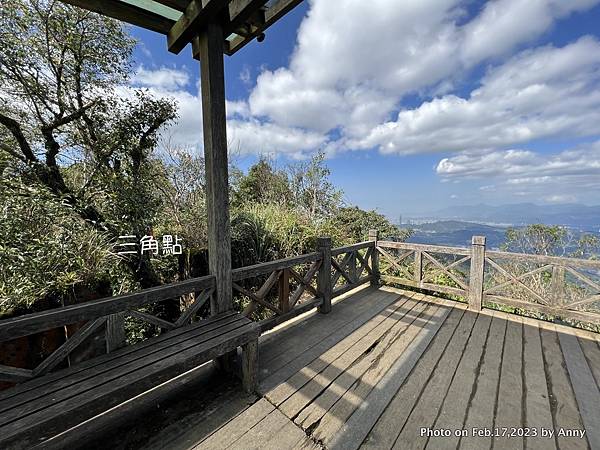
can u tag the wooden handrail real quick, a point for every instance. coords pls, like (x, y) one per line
(555, 260)
(477, 285)
(66, 315)
(351, 248)
(256, 270)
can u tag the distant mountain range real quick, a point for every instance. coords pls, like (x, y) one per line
(459, 233)
(575, 216)
(456, 233)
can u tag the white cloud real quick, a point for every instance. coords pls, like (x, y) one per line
(504, 24)
(341, 86)
(245, 75)
(558, 178)
(539, 93)
(341, 78)
(254, 137)
(560, 199)
(163, 78)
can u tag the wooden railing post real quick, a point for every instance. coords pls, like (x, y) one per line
(477, 272)
(418, 272)
(324, 288)
(284, 290)
(374, 236)
(115, 332)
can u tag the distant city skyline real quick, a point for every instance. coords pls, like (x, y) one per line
(467, 101)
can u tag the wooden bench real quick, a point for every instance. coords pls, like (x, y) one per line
(36, 412)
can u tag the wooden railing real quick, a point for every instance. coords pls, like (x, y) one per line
(277, 291)
(352, 266)
(270, 293)
(105, 320)
(567, 288)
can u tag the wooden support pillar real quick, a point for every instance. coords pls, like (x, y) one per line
(374, 236)
(215, 154)
(477, 272)
(324, 288)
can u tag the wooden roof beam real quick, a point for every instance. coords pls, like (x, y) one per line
(197, 15)
(179, 5)
(241, 11)
(271, 15)
(126, 12)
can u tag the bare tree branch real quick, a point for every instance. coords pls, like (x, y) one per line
(16, 131)
(10, 151)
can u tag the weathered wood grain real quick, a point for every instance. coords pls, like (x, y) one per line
(59, 380)
(357, 427)
(320, 417)
(125, 367)
(351, 248)
(584, 386)
(425, 410)
(285, 390)
(370, 400)
(425, 248)
(64, 350)
(317, 386)
(383, 434)
(559, 260)
(510, 401)
(325, 337)
(129, 380)
(565, 412)
(537, 406)
(476, 273)
(324, 284)
(453, 412)
(296, 339)
(266, 268)
(250, 366)
(237, 427)
(480, 412)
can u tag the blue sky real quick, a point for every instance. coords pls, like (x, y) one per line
(419, 105)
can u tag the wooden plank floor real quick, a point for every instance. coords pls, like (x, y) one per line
(394, 369)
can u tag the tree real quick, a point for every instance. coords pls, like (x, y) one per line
(312, 190)
(69, 122)
(356, 224)
(263, 184)
(46, 249)
(550, 240)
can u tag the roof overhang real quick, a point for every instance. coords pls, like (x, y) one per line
(182, 20)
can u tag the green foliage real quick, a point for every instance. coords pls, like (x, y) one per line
(45, 248)
(263, 233)
(79, 168)
(355, 224)
(550, 240)
(538, 239)
(263, 184)
(312, 190)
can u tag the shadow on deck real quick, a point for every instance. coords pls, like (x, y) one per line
(392, 369)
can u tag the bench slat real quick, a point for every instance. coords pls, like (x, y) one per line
(131, 379)
(68, 375)
(84, 380)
